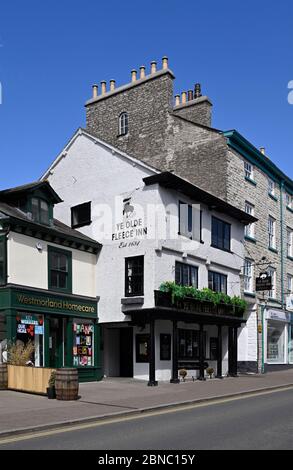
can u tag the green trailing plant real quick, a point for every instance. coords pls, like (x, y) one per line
(202, 295)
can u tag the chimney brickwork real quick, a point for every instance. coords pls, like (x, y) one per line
(157, 135)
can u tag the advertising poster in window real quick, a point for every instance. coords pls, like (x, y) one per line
(83, 344)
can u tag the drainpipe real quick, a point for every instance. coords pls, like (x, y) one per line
(282, 243)
(262, 340)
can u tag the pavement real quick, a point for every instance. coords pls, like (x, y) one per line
(115, 397)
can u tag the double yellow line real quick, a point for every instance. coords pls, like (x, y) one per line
(141, 415)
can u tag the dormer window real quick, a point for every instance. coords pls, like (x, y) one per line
(40, 211)
(123, 124)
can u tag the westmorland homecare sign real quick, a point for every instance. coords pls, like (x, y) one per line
(62, 305)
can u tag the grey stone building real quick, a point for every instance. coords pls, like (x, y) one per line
(144, 119)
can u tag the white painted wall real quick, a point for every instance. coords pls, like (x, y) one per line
(27, 266)
(247, 337)
(164, 368)
(92, 171)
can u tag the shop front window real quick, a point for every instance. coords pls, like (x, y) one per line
(142, 343)
(83, 343)
(275, 342)
(189, 344)
(291, 344)
(31, 328)
(3, 338)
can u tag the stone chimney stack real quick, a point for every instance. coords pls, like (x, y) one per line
(196, 108)
(165, 62)
(153, 67)
(142, 71)
(95, 91)
(103, 87)
(133, 75)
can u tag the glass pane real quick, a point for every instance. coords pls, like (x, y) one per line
(44, 212)
(185, 280)
(193, 277)
(54, 261)
(35, 209)
(83, 343)
(54, 279)
(62, 262)
(227, 237)
(275, 346)
(62, 280)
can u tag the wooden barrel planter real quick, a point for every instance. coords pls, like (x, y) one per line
(3, 377)
(66, 384)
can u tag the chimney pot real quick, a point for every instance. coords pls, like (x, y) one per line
(103, 87)
(112, 85)
(190, 95)
(95, 91)
(197, 90)
(142, 71)
(153, 66)
(183, 97)
(262, 150)
(177, 100)
(165, 62)
(133, 75)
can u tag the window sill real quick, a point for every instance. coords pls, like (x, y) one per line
(273, 197)
(290, 258)
(132, 300)
(273, 250)
(81, 225)
(249, 294)
(250, 239)
(222, 249)
(60, 291)
(274, 301)
(289, 209)
(250, 180)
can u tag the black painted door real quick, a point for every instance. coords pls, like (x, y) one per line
(126, 352)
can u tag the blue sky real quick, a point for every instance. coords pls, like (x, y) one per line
(52, 52)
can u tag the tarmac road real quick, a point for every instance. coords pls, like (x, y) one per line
(263, 421)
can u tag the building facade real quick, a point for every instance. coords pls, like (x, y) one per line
(175, 133)
(47, 283)
(155, 227)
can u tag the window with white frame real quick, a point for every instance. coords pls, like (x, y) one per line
(249, 229)
(289, 242)
(289, 200)
(248, 275)
(248, 170)
(271, 187)
(123, 124)
(272, 232)
(289, 284)
(272, 272)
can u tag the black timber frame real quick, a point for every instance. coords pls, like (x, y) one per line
(149, 316)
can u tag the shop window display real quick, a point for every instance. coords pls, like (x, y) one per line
(3, 340)
(83, 343)
(276, 342)
(31, 328)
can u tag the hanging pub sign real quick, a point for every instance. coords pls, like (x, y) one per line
(263, 282)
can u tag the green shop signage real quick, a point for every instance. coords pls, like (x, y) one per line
(14, 298)
(56, 304)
